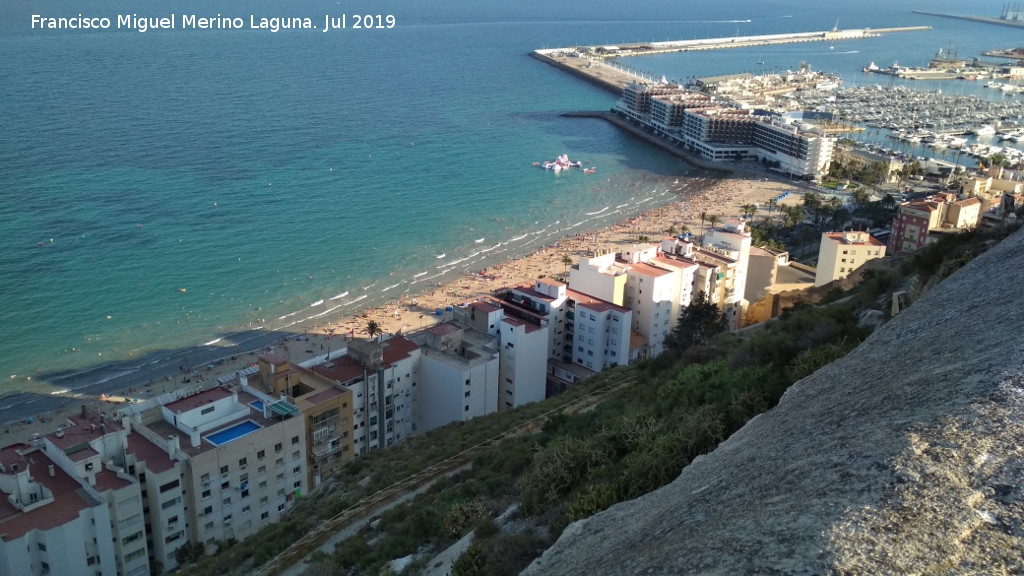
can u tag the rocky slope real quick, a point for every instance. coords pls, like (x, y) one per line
(904, 457)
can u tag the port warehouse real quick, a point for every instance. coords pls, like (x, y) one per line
(702, 124)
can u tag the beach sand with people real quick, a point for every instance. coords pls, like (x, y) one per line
(722, 197)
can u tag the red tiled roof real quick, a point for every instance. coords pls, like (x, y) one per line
(591, 303)
(108, 480)
(68, 497)
(396, 349)
(341, 369)
(325, 395)
(645, 269)
(82, 454)
(485, 307)
(528, 326)
(155, 457)
(443, 329)
(197, 400)
(82, 430)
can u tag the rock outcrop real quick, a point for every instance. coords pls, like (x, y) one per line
(904, 457)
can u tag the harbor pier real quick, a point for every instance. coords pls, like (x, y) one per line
(588, 61)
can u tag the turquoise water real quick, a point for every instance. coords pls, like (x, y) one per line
(172, 188)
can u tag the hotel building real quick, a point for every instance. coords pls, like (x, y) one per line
(706, 126)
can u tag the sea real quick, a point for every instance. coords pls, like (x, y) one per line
(170, 196)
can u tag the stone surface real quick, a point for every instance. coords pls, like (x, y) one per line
(904, 457)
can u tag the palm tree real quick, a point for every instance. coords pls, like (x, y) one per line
(373, 328)
(752, 211)
(567, 260)
(713, 219)
(772, 204)
(703, 217)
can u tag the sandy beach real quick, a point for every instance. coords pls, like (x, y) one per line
(722, 197)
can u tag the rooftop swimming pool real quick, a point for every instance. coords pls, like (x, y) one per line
(233, 433)
(257, 404)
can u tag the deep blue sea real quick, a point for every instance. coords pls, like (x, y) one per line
(171, 188)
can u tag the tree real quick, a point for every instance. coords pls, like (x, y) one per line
(373, 328)
(698, 323)
(713, 220)
(772, 205)
(567, 260)
(643, 239)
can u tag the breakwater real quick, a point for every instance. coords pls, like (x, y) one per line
(588, 62)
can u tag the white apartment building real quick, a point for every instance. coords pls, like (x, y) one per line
(543, 303)
(51, 522)
(90, 446)
(598, 331)
(523, 346)
(382, 377)
(840, 253)
(652, 293)
(602, 276)
(152, 461)
(245, 454)
(458, 376)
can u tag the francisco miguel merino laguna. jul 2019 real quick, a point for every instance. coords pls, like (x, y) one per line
(218, 22)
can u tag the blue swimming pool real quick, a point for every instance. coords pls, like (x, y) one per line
(257, 404)
(235, 432)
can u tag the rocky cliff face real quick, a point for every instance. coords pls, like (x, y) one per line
(904, 457)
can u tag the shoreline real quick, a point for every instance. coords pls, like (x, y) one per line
(203, 365)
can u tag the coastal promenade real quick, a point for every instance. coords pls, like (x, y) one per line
(588, 62)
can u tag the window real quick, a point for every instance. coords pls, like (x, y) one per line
(42, 547)
(467, 382)
(226, 501)
(297, 484)
(131, 538)
(467, 393)
(205, 478)
(261, 454)
(278, 447)
(296, 470)
(206, 494)
(207, 410)
(261, 469)
(224, 469)
(295, 455)
(263, 500)
(295, 439)
(169, 486)
(170, 503)
(242, 463)
(245, 494)
(264, 515)
(208, 510)
(225, 485)
(279, 462)
(466, 409)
